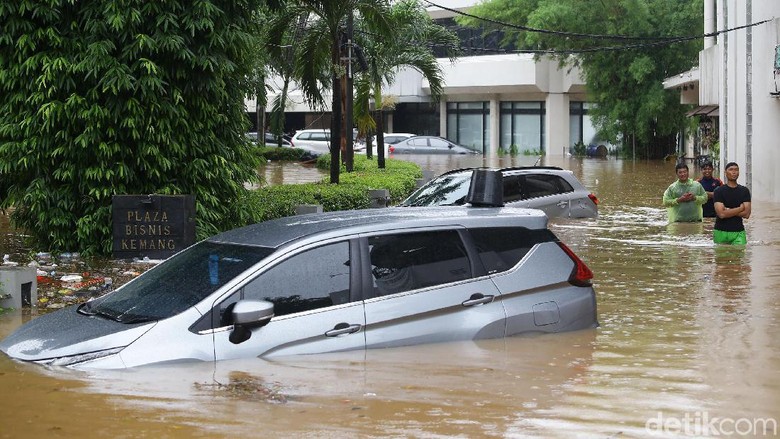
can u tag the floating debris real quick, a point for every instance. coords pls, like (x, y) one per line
(245, 386)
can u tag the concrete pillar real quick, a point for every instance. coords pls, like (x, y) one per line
(494, 142)
(443, 118)
(18, 287)
(556, 125)
(710, 22)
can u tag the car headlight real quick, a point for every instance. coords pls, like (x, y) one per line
(79, 358)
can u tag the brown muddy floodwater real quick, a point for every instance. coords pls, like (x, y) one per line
(689, 345)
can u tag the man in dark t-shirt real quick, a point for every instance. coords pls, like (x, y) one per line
(709, 183)
(732, 205)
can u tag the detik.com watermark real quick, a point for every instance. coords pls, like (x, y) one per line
(699, 424)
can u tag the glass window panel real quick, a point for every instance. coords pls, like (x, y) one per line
(411, 261)
(502, 248)
(527, 131)
(313, 279)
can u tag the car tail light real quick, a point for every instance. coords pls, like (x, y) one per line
(594, 199)
(580, 274)
(391, 149)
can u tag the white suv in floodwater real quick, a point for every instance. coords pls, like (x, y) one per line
(329, 282)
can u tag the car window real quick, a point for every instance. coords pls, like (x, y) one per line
(313, 279)
(512, 190)
(418, 142)
(319, 137)
(179, 282)
(438, 143)
(542, 185)
(409, 261)
(501, 248)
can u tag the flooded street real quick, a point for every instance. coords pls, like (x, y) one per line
(689, 345)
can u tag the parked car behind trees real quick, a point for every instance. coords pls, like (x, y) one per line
(429, 145)
(554, 190)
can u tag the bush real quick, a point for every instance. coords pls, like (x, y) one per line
(107, 97)
(274, 153)
(398, 177)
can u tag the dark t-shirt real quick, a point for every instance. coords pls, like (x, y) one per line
(730, 197)
(709, 185)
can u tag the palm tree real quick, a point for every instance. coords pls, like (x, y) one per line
(416, 37)
(319, 51)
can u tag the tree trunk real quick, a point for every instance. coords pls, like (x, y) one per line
(380, 137)
(335, 121)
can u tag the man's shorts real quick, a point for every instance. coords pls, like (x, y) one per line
(723, 237)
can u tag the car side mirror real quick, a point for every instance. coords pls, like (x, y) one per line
(249, 314)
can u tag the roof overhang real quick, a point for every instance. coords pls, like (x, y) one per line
(684, 79)
(704, 110)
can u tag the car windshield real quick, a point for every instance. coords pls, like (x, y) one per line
(450, 189)
(177, 283)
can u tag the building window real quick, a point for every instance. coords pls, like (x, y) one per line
(580, 124)
(522, 126)
(468, 124)
(417, 118)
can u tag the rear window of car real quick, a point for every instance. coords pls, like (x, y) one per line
(409, 261)
(542, 185)
(501, 248)
(394, 139)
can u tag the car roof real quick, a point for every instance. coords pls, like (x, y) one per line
(277, 232)
(508, 169)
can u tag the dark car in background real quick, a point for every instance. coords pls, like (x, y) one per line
(270, 139)
(554, 190)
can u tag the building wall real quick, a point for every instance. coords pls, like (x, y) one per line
(497, 78)
(749, 112)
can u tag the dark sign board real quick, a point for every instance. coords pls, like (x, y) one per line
(154, 226)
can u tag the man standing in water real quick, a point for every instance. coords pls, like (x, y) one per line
(684, 198)
(732, 205)
(709, 183)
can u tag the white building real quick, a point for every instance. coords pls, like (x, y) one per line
(489, 102)
(737, 86)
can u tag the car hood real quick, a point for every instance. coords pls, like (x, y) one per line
(66, 332)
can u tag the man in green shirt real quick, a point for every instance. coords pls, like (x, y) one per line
(683, 198)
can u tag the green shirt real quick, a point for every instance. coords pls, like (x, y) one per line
(689, 211)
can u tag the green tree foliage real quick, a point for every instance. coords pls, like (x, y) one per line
(625, 51)
(104, 97)
(318, 38)
(416, 37)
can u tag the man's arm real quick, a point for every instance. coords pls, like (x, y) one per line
(669, 200)
(746, 212)
(724, 212)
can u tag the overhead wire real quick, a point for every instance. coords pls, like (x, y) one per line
(648, 41)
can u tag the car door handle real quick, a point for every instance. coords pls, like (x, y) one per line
(562, 204)
(478, 299)
(341, 329)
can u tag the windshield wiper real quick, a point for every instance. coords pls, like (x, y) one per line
(87, 310)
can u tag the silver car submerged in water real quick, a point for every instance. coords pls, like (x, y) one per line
(328, 282)
(554, 190)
